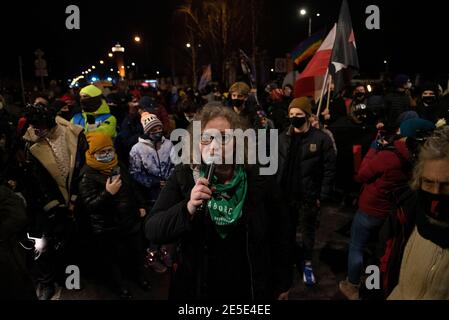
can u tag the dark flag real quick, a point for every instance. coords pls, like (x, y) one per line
(247, 67)
(344, 61)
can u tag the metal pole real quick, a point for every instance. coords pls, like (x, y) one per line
(322, 92)
(310, 26)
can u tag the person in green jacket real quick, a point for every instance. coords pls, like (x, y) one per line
(96, 115)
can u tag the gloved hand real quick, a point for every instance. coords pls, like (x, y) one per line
(40, 246)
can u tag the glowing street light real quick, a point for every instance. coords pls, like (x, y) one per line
(93, 67)
(302, 12)
(188, 45)
(101, 62)
(89, 70)
(133, 64)
(137, 39)
(110, 55)
(112, 70)
(157, 72)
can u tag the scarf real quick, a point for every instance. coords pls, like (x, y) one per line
(100, 166)
(429, 227)
(225, 206)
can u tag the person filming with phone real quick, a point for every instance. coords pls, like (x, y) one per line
(114, 208)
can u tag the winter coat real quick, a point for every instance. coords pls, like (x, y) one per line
(424, 271)
(105, 122)
(15, 281)
(149, 166)
(313, 167)
(47, 193)
(260, 241)
(107, 213)
(381, 173)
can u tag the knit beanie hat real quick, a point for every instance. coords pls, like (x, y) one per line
(149, 121)
(302, 103)
(91, 91)
(412, 127)
(98, 141)
(400, 80)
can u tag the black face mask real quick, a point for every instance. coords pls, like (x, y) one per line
(429, 100)
(237, 103)
(298, 122)
(91, 104)
(67, 115)
(435, 205)
(359, 95)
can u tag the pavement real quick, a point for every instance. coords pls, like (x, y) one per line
(330, 260)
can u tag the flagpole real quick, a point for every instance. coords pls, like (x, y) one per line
(322, 92)
(329, 92)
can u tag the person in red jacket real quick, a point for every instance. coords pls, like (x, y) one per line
(382, 172)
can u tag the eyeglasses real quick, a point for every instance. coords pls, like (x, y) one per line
(206, 138)
(105, 152)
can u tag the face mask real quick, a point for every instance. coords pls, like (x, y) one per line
(155, 137)
(67, 115)
(436, 205)
(91, 104)
(105, 158)
(237, 103)
(298, 122)
(429, 100)
(359, 95)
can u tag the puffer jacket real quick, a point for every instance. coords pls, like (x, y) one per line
(315, 162)
(382, 173)
(105, 122)
(108, 212)
(149, 166)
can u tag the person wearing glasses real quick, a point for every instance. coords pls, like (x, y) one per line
(237, 246)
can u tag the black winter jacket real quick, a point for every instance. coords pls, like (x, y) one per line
(311, 162)
(263, 241)
(106, 212)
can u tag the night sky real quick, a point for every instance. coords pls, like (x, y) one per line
(411, 36)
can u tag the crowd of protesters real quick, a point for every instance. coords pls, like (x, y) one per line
(87, 178)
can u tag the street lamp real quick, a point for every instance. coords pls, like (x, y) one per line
(303, 12)
(101, 62)
(110, 55)
(137, 39)
(112, 70)
(133, 64)
(93, 67)
(157, 72)
(188, 45)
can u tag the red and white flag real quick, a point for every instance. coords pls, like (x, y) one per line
(311, 80)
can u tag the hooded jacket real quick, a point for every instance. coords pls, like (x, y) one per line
(149, 166)
(104, 121)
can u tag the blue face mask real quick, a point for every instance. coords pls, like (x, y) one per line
(155, 137)
(105, 158)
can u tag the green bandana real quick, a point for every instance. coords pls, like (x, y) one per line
(225, 206)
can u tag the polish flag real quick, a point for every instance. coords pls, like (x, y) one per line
(311, 80)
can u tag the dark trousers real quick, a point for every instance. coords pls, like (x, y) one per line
(304, 218)
(116, 253)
